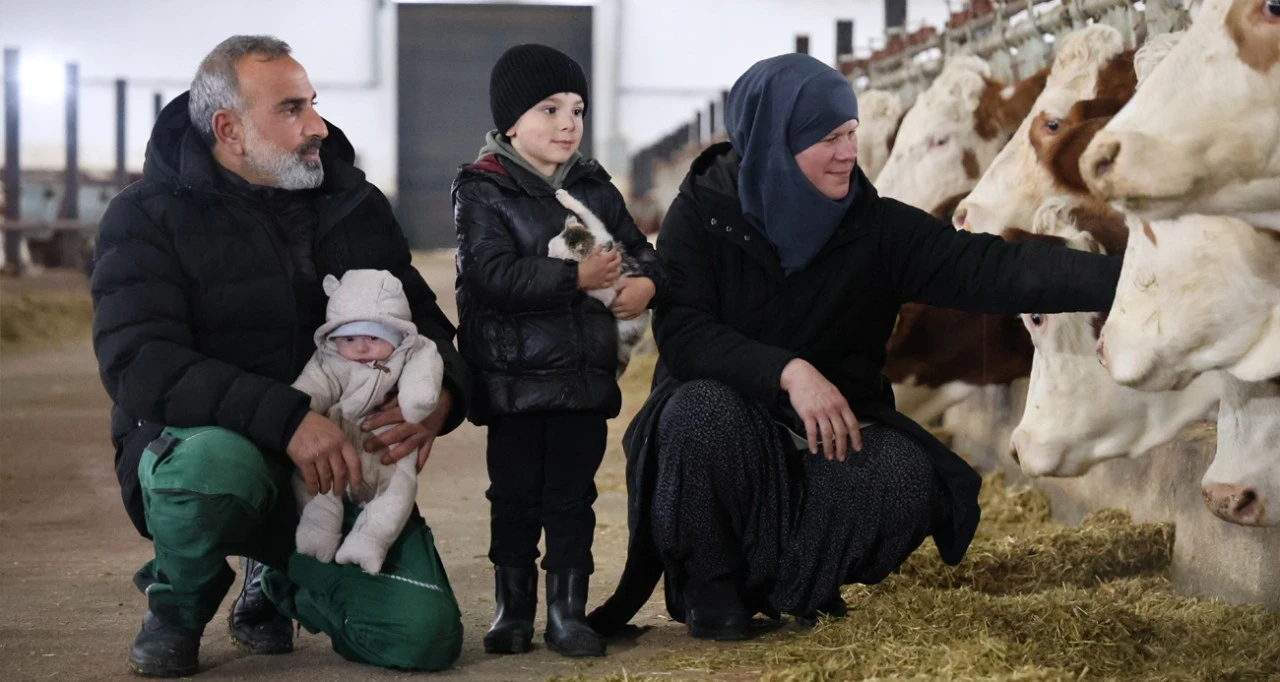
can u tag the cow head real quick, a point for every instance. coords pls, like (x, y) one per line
(1092, 76)
(1196, 293)
(1076, 415)
(953, 131)
(879, 114)
(1242, 485)
(1203, 133)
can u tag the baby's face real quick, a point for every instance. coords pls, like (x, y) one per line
(363, 348)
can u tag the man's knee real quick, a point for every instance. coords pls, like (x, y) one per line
(190, 465)
(424, 631)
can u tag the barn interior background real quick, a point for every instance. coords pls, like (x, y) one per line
(407, 81)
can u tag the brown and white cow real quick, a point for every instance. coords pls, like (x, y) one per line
(1203, 133)
(880, 113)
(952, 133)
(1076, 415)
(1242, 485)
(1092, 76)
(938, 357)
(1196, 293)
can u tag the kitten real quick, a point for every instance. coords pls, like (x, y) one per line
(583, 231)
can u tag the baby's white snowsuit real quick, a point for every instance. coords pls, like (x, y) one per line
(347, 392)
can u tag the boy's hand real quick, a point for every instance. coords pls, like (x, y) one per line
(600, 269)
(633, 297)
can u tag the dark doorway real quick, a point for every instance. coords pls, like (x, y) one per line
(445, 54)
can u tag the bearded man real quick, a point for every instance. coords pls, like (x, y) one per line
(207, 291)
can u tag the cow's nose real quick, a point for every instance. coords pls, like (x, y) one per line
(1102, 158)
(1234, 503)
(1101, 350)
(958, 218)
(1013, 453)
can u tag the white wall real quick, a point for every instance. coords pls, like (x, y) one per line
(157, 44)
(674, 57)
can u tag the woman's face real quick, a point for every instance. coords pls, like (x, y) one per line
(829, 163)
(549, 133)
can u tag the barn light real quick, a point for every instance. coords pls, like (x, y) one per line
(41, 78)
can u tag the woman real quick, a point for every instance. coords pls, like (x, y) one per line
(786, 275)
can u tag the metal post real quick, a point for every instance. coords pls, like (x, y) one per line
(697, 128)
(158, 103)
(122, 176)
(711, 118)
(802, 44)
(71, 181)
(12, 171)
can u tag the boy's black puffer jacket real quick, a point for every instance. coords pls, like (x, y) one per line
(535, 341)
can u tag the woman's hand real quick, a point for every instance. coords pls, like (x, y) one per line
(824, 410)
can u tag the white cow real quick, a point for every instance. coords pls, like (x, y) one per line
(1091, 77)
(1196, 293)
(1203, 133)
(952, 133)
(1242, 485)
(879, 113)
(1076, 415)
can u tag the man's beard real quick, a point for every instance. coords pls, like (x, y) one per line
(283, 169)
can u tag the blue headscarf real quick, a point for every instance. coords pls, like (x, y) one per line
(777, 109)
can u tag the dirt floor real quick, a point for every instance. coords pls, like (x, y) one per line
(67, 551)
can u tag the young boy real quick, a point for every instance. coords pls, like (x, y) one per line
(545, 352)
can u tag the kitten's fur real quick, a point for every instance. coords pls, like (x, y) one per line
(583, 231)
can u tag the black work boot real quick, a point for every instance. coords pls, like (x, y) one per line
(163, 648)
(516, 591)
(714, 610)
(567, 631)
(255, 624)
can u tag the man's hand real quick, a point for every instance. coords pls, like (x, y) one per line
(406, 437)
(600, 269)
(324, 455)
(824, 410)
(634, 294)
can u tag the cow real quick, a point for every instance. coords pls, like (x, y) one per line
(1203, 133)
(1242, 485)
(1076, 415)
(880, 113)
(952, 133)
(938, 357)
(1196, 293)
(1092, 76)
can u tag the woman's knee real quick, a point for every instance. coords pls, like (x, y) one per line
(702, 406)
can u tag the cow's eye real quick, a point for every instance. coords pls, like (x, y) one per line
(1054, 124)
(1037, 320)
(1273, 8)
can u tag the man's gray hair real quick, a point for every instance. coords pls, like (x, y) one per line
(216, 85)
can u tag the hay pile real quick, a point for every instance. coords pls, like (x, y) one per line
(30, 319)
(1031, 601)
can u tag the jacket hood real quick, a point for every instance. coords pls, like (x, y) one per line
(177, 154)
(372, 295)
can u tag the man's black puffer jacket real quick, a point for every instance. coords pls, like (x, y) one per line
(199, 319)
(535, 341)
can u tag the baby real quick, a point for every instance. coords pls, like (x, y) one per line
(367, 348)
